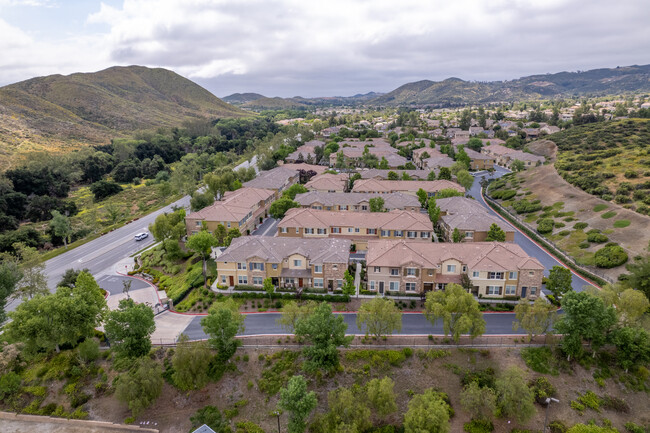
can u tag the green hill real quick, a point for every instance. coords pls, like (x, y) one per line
(55, 112)
(454, 91)
(242, 98)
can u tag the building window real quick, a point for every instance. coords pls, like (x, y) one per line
(243, 279)
(475, 274)
(531, 273)
(393, 286)
(297, 262)
(469, 235)
(283, 229)
(411, 235)
(318, 283)
(410, 272)
(493, 290)
(228, 224)
(322, 231)
(464, 268)
(241, 265)
(223, 279)
(533, 291)
(336, 229)
(198, 223)
(385, 233)
(318, 269)
(372, 285)
(343, 207)
(335, 267)
(372, 231)
(364, 207)
(309, 231)
(495, 275)
(297, 230)
(394, 271)
(399, 233)
(288, 281)
(349, 229)
(377, 268)
(274, 266)
(424, 235)
(356, 229)
(410, 287)
(257, 281)
(511, 290)
(339, 283)
(257, 266)
(512, 275)
(451, 268)
(431, 272)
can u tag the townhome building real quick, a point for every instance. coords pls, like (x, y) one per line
(277, 179)
(480, 161)
(360, 227)
(306, 152)
(328, 182)
(493, 269)
(504, 156)
(379, 174)
(353, 155)
(359, 202)
(431, 187)
(471, 219)
(318, 169)
(289, 262)
(244, 209)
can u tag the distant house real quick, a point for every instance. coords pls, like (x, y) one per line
(471, 219)
(405, 186)
(475, 130)
(504, 156)
(332, 130)
(319, 169)
(358, 202)
(277, 179)
(549, 129)
(328, 182)
(375, 173)
(480, 161)
(305, 152)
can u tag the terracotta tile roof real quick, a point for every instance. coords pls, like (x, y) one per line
(234, 206)
(430, 186)
(328, 181)
(466, 214)
(276, 178)
(276, 249)
(395, 200)
(394, 220)
(497, 149)
(375, 173)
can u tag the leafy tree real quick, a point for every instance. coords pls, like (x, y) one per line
(292, 313)
(9, 385)
(210, 416)
(220, 234)
(431, 175)
(69, 277)
(475, 144)
(559, 281)
(66, 316)
(639, 277)
(348, 284)
(103, 188)
(220, 182)
(346, 412)
(535, 319)
(515, 398)
(630, 304)
(456, 236)
(88, 351)
(465, 179)
(298, 402)
(444, 173)
(632, 347)
(479, 401)
(449, 192)
(279, 207)
(392, 175)
(381, 396)
(458, 310)
(383, 164)
(10, 275)
(222, 324)
(496, 233)
(268, 287)
(293, 191)
(232, 234)
(201, 200)
(380, 317)
(202, 243)
(325, 332)
(168, 226)
(433, 210)
(191, 362)
(517, 165)
(141, 386)
(129, 328)
(422, 197)
(585, 318)
(34, 281)
(405, 175)
(376, 204)
(427, 412)
(462, 157)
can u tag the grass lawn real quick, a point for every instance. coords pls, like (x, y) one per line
(608, 215)
(600, 207)
(619, 224)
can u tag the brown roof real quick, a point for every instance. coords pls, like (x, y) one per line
(484, 256)
(395, 200)
(328, 181)
(393, 220)
(376, 173)
(234, 206)
(430, 186)
(276, 178)
(276, 249)
(497, 149)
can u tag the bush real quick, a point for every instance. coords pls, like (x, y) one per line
(545, 226)
(557, 427)
(608, 215)
(630, 174)
(614, 403)
(88, 350)
(542, 389)
(583, 245)
(610, 256)
(633, 428)
(248, 427)
(597, 237)
(478, 426)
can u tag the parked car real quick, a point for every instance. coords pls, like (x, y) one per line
(141, 236)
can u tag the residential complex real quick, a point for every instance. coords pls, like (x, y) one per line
(494, 270)
(277, 179)
(504, 156)
(358, 202)
(289, 262)
(360, 227)
(378, 174)
(328, 182)
(431, 187)
(471, 219)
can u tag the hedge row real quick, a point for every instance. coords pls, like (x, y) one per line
(291, 296)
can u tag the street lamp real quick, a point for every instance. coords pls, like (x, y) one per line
(548, 403)
(277, 413)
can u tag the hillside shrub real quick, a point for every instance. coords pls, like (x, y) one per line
(545, 226)
(542, 389)
(597, 237)
(525, 206)
(580, 226)
(610, 256)
(505, 194)
(478, 426)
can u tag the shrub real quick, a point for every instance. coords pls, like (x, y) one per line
(630, 174)
(610, 256)
(557, 427)
(633, 428)
(478, 426)
(542, 389)
(597, 237)
(614, 403)
(564, 233)
(545, 226)
(584, 245)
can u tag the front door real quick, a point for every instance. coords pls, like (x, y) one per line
(299, 282)
(232, 281)
(381, 287)
(523, 291)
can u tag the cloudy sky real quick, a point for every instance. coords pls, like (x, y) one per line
(321, 47)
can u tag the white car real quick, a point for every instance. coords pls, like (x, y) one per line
(141, 236)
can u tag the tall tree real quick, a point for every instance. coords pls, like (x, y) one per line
(458, 310)
(325, 332)
(60, 225)
(465, 179)
(496, 233)
(535, 319)
(268, 287)
(220, 234)
(10, 275)
(559, 281)
(630, 304)
(168, 226)
(129, 328)
(380, 394)
(479, 401)
(456, 236)
(346, 412)
(232, 234)
(191, 362)
(632, 347)
(33, 281)
(444, 173)
(639, 277)
(222, 324)
(376, 204)
(515, 398)
(141, 386)
(292, 313)
(279, 207)
(433, 210)
(379, 317)
(298, 402)
(202, 243)
(427, 412)
(293, 191)
(422, 197)
(348, 284)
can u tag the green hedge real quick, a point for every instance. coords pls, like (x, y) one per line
(291, 296)
(610, 256)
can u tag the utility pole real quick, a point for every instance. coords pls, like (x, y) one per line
(548, 403)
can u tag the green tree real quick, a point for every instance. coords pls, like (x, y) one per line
(462, 157)
(431, 175)
(475, 144)
(60, 225)
(585, 318)
(298, 402)
(168, 226)
(129, 328)
(340, 160)
(220, 234)
(34, 281)
(325, 332)
(380, 394)
(632, 347)
(479, 402)
(201, 200)
(427, 412)
(69, 277)
(392, 175)
(379, 317)
(433, 210)
(376, 204)
(232, 234)
(63, 317)
(517, 165)
(559, 281)
(202, 243)
(515, 398)
(280, 207)
(191, 362)
(10, 275)
(346, 412)
(141, 386)
(630, 304)
(348, 284)
(292, 312)
(465, 179)
(444, 174)
(210, 416)
(639, 277)
(496, 233)
(456, 236)
(222, 324)
(458, 310)
(422, 197)
(449, 192)
(268, 287)
(294, 190)
(405, 176)
(383, 164)
(535, 319)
